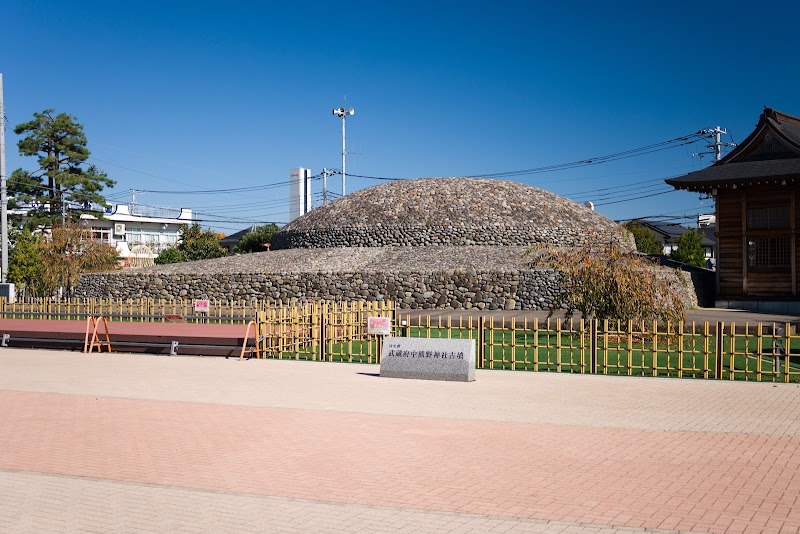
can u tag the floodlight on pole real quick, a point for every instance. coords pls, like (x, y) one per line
(343, 113)
(3, 192)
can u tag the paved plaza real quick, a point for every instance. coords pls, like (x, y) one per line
(144, 443)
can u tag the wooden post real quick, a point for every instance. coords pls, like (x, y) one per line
(720, 340)
(481, 342)
(593, 345)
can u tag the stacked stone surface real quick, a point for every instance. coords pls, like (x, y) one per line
(448, 211)
(482, 290)
(434, 243)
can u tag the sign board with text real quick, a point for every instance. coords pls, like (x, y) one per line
(201, 306)
(429, 359)
(379, 326)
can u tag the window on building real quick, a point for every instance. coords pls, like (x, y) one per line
(769, 251)
(101, 234)
(768, 236)
(768, 218)
(156, 241)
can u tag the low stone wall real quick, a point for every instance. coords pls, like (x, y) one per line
(420, 236)
(458, 290)
(513, 290)
(704, 281)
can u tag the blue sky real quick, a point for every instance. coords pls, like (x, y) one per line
(194, 96)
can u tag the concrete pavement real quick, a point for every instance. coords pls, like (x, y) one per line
(138, 443)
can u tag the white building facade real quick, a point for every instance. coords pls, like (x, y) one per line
(299, 192)
(138, 238)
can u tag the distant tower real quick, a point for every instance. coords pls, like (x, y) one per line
(299, 192)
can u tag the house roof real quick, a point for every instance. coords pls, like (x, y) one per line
(235, 237)
(671, 232)
(709, 234)
(771, 153)
(664, 228)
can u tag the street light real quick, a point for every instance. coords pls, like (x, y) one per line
(3, 193)
(343, 113)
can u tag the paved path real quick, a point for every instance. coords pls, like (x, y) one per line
(133, 443)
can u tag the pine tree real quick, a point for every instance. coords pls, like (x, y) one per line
(62, 178)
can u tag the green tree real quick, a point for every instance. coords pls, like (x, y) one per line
(169, 255)
(197, 244)
(25, 262)
(254, 241)
(690, 249)
(62, 178)
(646, 241)
(601, 280)
(69, 251)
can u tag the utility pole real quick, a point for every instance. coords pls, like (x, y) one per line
(324, 187)
(699, 212)
(3, 189)
(715, 133)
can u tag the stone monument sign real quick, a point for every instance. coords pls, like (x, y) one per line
(429, 359)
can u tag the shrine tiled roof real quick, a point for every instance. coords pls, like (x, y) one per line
(744, 172)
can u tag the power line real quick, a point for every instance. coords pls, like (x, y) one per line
(649, 149)
(235, 220)
(665, 217)
(228, 190)
(601, 190)
(139, 172)
(209, 191)
(594, 161)
(619, 195)
(606, 195)
(636, 198)
(245, 205)
(214, 191)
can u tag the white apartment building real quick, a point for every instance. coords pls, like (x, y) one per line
(138, 238)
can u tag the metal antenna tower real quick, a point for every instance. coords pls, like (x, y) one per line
(343, 113)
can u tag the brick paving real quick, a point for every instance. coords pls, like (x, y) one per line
(132, 443)
(43, 503)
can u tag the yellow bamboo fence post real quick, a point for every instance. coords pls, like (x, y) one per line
(759, 352)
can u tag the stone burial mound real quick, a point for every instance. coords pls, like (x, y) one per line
(426, 243)
(447, 212)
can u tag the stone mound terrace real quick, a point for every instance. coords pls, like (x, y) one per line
(447, 211)
(384, 259)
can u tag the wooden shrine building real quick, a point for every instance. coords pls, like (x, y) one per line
(756, 187)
